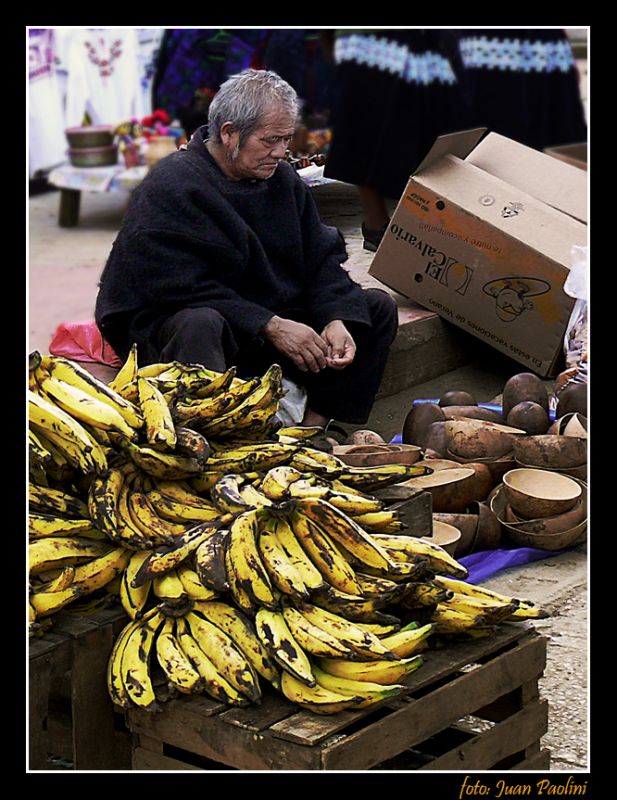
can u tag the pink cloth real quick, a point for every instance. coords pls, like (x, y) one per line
(82, 341)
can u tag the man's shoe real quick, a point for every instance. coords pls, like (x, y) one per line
(372, 238)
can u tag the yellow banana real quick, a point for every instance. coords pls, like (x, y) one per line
(492, 611)
(299, 432)
(133, 600)
(370, 692)
(527, 609)
(253, 497)
(179, 671)
(86, 408)
(127, 531)
(379, 629)
(254, 457)
(279, 566)
(315, 698)
(309, 574)
(194, 588)
(225, 494)
(356, 609)
(277, 481)
(451, 620)
(204, 481)
(226, 657)
(145, 517)
(168, 466)
(60, 582)
(103, 496)
(243, 552)
(57, 500)
(53, 551)
(241, 597)
(135, 660)
(424, 593)
(210, 561)
(198, 413)
(368, 479)
(384, 521)
(115, 686)
(169, 587)
(374, 586)
(181, 512)
(212, 386)
(47, 603)
(403, 548)
(215, 684)
(312, 639)
(322, 551)
(37, 450)
(160, 428)
(62, 429)
(164, 559)
(409, 640)
(73, 374)
(98, 572)
(125, 381)
(357, 639)
(345, 530)
(381, 672)
(275, 635)
(41, 525)
(240, 629)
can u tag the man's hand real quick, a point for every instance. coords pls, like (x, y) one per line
(341, 347)
(304, 346)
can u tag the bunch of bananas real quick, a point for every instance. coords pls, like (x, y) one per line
(240, 553)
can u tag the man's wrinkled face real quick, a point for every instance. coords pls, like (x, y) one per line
(262, 150)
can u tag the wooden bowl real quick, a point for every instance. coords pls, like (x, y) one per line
(451, 489)
(573, 472)
(535, 493)
(551, 451)
(446, 536)
(543, 540)
(488, 534)
(373, 455)
(93, 156)
(479, 439)
(467, 524)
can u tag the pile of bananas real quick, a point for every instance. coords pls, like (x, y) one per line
(240, 553)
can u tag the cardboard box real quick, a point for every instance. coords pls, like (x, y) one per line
(482, 236)
(575, 154)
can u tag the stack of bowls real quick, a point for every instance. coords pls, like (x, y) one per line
(541, 508)
(557, 452)
(92, 146)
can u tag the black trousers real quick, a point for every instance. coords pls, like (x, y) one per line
(202, 335)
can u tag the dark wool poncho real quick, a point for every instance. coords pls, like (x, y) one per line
(248, 249)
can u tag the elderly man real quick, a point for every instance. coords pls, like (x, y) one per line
(222, 260)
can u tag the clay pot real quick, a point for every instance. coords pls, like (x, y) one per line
(417, 422)
(435, 438)
(551, 451)
(535, 493)
(573, 472)
(488, 533)
(479, 439)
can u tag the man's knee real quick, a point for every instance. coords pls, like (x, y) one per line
(202, 319)
(382, 308)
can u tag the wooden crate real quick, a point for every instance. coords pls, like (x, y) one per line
(473, 705)
(70, 713)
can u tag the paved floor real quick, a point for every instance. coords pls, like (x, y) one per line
(64, 267)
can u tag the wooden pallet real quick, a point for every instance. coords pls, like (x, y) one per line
(70, 713)
(473, 705)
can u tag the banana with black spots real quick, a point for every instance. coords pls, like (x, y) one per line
(133, 599)
(169, 588)
(164, 465)
(322, 551)
(315, 698)
(361, 641)
(382, 672)
(345, 530)
(356, 609)
(60, 551)
(279, 565)
(370, 692)
(275, 635)
(242, 550)
(225, 655)
(210, 561)
(47, 497)
(194, 588)
(103, 497)
(159, 425)
(225, 494)
(42, 525)
(135, 667)
(215, 684)
(312, 639)
(409, 640)
(403, 548)
(277, 482)
(178, 669)
(368, 479)
(241, 630)
(192, 444)
(311, 577)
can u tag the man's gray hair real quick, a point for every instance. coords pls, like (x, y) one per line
(243, 99)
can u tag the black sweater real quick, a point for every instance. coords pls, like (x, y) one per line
(248, 249)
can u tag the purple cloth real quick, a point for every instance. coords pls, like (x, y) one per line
(483, 564)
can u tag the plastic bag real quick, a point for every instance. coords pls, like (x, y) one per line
(575, 339)
(292, 405)
(82, 341)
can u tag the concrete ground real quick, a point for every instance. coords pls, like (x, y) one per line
(63, 269)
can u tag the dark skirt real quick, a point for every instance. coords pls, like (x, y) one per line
(523, 84)
(396, 91)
